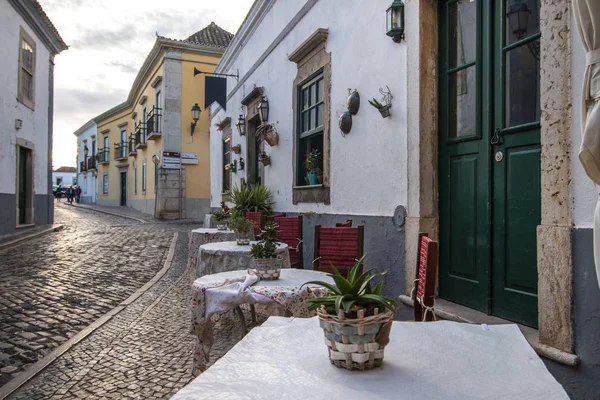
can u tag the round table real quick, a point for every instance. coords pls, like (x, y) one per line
(226, 291)
(201, 236)
(229, 256)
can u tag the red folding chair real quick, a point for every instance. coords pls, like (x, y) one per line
(424, 291)
(346, 224)
(259, 220)
(289, 231)
(342, 247)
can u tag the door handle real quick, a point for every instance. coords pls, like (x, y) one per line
(496, 137)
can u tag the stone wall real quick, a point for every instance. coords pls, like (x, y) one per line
(170, 194)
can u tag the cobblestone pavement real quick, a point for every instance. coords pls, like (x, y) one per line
(55, 285)
(145, 351)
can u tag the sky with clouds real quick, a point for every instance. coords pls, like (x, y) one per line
(108, 42)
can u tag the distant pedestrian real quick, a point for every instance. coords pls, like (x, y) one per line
(70, 194)
(78, 194)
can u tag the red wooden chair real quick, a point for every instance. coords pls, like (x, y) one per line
(424, 291)
(346, 224)
(259, 220)
(289, 231)
(342, 247)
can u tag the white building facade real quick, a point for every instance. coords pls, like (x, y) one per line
(87, 172)
(29, 44)
(480, 151)
(64, 176)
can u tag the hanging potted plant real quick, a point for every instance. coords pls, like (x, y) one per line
(237, 148)
(311, 164)
(384, 110)
(264, 158)
(266, 263)
(243, 229)
(220, 216)
(356, 318)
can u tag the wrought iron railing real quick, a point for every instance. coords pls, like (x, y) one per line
(103, 156)
(82, 166)
(91, 162)
(140, 135)
(131, 145)
(120, 150)
(153, 122)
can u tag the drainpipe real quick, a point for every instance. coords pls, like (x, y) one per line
(180, 194)
(49, 205)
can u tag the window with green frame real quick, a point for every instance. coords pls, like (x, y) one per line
(226, 161)
(310, 122)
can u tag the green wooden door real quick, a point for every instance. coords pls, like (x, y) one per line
(489, 157)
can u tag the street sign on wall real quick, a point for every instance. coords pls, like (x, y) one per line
(189, 158)
(171, 160)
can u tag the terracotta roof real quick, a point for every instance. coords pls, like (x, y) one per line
(66, 169)
(213, 35)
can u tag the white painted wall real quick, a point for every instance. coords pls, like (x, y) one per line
(35, 122)
(368, 169)
(585, 195)
(88, 182)
(68, 178)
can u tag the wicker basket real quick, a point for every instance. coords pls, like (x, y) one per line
(267, 268)
(356, 343)
(243, 238)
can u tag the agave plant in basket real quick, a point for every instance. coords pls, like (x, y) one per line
(267, 264)
(356, 318)
(250, 198)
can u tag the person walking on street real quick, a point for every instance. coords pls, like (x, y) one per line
(70, 194)
(78, 194)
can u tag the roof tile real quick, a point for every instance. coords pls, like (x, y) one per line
(213, 35)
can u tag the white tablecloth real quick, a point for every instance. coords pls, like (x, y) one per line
(287, 359)
(225, 291)
(229, 256)
(201, 236)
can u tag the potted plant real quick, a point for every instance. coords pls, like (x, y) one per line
(237, 148)
(264, 158)
(263, 253)
(356, 318)
(384, 110)
(243, 229)
(220, 216)
(319, 172)
(250, 198)
(311, 164)
(224, 207)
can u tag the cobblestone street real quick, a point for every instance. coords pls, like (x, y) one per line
(56, 285)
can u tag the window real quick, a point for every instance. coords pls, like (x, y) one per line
(85, 184)
(135, 183)
(144, 177)
(226, 162)
(123, 148)
(26, 93)
(105, 183)
(157, 111)
(93, 148)
(310, 123)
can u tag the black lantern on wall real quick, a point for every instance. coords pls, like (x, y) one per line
(394, 20)
(518, 17)
(195, 116)
(263, 110)
(241, 125)
(85, 151)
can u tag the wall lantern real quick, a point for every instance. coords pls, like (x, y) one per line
(242, 164)
(263, 110)
(518, 16)
(195, 116)
(241, 125)
(394, 21)
(85, 152)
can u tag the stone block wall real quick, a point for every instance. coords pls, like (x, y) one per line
(170, 194)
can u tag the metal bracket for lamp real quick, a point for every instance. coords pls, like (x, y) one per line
(236, 76)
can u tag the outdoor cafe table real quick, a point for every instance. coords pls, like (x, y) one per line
(230, 256)
(226, 290)
(287, 359)
(201, 236)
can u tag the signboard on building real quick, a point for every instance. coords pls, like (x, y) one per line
(189, 158)
(171, 160)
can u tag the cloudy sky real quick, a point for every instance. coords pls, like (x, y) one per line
(109, 40)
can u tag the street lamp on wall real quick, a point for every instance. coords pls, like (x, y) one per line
(394, 21)
(85, 152)
(263, 110)
(241, 125)
(518, 17)
(195, 116)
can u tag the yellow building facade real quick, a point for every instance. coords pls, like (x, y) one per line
(148, 157)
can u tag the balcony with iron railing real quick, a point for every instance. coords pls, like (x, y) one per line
(91, 163)
(153, 123)
(131, 149)
(140, 135)
(82, 166)
(103, 156)
(120, 151)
